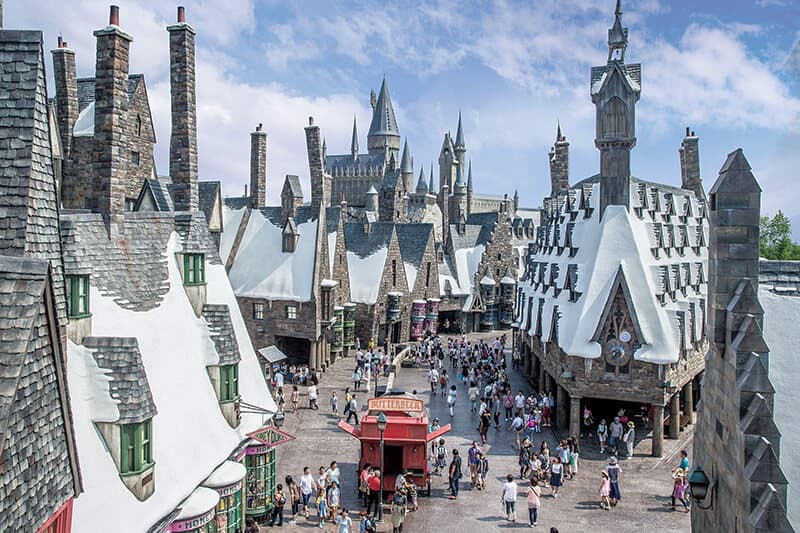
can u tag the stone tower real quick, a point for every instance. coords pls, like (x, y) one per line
(407, 169)
(689, 153)
(736, 441)
(459, 205)
(448, 163)
(461, 147)
(615, 89)
(183, 140)
(320, 188)
(111, 122)
(258, 168)
(383, 132)
(66, 98)
(559, 165)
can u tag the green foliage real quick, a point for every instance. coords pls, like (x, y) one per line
(776, 239)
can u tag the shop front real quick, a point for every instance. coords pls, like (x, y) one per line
(260, 480)
(228, 481)
(198, 513)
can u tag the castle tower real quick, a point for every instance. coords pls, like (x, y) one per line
(461, 146)
(183, 140)
(559, 166)
(407, 169)
(615, 89)
(459, 205)
(469, 190)
(258, 168)
(353, 141)
(689, 153)
(383, 132)
(448, 163)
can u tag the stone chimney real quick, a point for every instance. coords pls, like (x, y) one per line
(689, 153)
(258, 168)
(183, 141)
(319, 189)
(66, 86)
(111, 122)
(559, 166)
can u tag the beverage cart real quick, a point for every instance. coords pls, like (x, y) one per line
(405, 440)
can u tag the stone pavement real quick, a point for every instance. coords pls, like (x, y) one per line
(645, 482)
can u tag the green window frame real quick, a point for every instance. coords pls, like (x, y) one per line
(78, 296)
(260, 484)
(229, 383)
(229, 513)
(136, 447)
(194, 269)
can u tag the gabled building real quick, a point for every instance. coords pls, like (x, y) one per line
(611, 306)
(39, 471)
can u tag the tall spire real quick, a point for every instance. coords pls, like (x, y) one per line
(558, 131)
(422, 187)
(469, 177)
(354, 140)
(430, 183)
(405, 160)
(460, 134)
(383, 131)
(617, 36)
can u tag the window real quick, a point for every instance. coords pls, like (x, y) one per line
(394, 272)
(428, 274)
(341, 259)
(136, 447)
(291, 312)
(258, 311)
(78, 296)
(194, 269)
(138, 124)
(228, 383)
(135, 158)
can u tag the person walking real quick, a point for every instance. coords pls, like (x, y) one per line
(483, 426)
(602, 434)
(556, 475)
(472, 461)
(363, 487)
(441, 457)
(295, 398)
(374, 499)
(679, 487)
(344, 522)
(684, 465)
(451, 400)
(352, 410)
(454, 475)
(525, 453)
(629, 438)
(357, 378)
(347, 398)
(613, 470)
(483, 471)
(532, 495)
(605, 490)
(509, 497)
(615, 430)
(277, 511)
(312, 397)
(308, 487)
(399, 502)
(508, 405)
(517, 426)
(334, 401)
(294, 497)
(433, 379)
(334, 496)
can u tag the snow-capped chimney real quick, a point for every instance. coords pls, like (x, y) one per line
(183, 141)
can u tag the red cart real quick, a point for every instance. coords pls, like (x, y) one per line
(405, 440)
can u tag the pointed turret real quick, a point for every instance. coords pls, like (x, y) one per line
(461, 147)
(430, 183)
(460, 134)
(324, 148)
(383, 131)
(407, 168)
(354, 141)
(469, 177)
(422, 187)
(372, 200)
(617, 36)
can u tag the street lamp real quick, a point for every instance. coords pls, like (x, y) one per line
(698, 486)
(376, 371)
(278, 418)
(381, 423)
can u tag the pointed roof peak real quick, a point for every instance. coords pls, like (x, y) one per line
(559, 137)
(422, 187)
(405, 161)
(617, 36)
(469, 176)
(383, 118)
(430, 183)
(618, 10)
(354, 140)
(460, 134)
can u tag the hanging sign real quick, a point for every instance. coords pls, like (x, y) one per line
(271, 436)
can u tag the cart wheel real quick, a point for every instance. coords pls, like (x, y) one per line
(428, 492)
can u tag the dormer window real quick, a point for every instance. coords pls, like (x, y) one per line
(78, 296)
(194, 269)
(228, 383)
(136, 449)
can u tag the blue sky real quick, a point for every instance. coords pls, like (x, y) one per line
(512, 68)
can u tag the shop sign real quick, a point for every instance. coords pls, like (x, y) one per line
(270, 435)
(192, 523)
(409, 405)
(230, 489)
(257, 450)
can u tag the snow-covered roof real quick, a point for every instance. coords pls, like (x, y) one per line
(227, 473)
(579, 257)
(262, 270)
(84, 126)
(199, 502)
(188, 409)
(465, 263)
(366, 258)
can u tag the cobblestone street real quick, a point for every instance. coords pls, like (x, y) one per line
(645, 482)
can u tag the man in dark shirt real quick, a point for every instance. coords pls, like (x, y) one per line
(455, 475)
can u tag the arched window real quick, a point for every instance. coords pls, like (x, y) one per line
(138, 125)
(615, 119)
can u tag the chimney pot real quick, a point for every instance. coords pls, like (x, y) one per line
(66, 44)
(113, 17)
(245, 190)
(693, 133)
(181, 14)
(310, 121)
(60, 42)
(687, 131)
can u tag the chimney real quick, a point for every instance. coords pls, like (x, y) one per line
(689, 154)
(183, 141)
(559, 166)
(319, 191)
(111, 122)
(66, 97)
(258, 167)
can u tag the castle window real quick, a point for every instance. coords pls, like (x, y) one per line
(138, 124)
(394, 273)
(228, 383)
(135, 158)
(341, 259)
(258, 311)
(291, 312)
(136, 449)
(194, 269)
(428, 274)
(615, 119)
(78, 296)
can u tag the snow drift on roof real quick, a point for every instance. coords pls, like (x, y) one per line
(84, 126)
(261, 270)
(365, 275)
(231, 218)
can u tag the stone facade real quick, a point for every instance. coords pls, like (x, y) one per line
(559, 166)
(258, 167)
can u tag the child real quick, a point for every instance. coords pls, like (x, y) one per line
(412, 494)
(333, 499)
(334, 404)
(441, 457)
(679, 487)
(367, 524)
(483, 471)
(605, 488)
(322, 507)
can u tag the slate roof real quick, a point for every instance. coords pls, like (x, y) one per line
(121, 358)
(780, 277)
(219, 322)
(474, 235)
(236, 202)
(383, 119)
(345, 165)
(364, 245)
(413, 239)
(160, 190)
(294, 186)
(86, 89)
(207, 194)
(134, 270)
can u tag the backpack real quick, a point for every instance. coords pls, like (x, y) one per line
(443, 380)
(368, 523)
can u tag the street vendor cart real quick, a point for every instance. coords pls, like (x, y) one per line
(406, 439)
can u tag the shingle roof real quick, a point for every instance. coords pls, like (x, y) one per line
(293, 183)
(413, 240)
(219, 322)
(207, 194)
(236, 202)
(383, 119)
(160, 191)
(86, 89)
(129, 387)
(363, 245)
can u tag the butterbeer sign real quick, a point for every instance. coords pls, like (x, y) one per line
(409, 405)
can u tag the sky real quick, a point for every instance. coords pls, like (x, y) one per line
(729, 69)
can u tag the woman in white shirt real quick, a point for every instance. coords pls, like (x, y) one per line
(556, 475)
(509, 498)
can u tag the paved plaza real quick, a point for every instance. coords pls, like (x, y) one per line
(645, 482)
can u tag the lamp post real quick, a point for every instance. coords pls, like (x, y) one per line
(376, 372)
(698, 487)
(381, 423)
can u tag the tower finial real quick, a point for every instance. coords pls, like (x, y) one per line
(618, 11)
(558, 131)
(354, 140)
(617, 36)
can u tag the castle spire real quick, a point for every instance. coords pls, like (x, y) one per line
(558, 131)
(422, 187)
(617, 36)
(354, 140)
(405, 160)
(460, 134)
(430, 183)
(469, 177)
(383, 131)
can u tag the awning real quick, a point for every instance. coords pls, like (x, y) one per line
(272, 354)
(438, 433)
(354, 431)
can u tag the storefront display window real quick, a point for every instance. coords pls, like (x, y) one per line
(260, 482)
(229, 509)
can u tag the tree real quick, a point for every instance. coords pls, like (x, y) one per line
(776, 238)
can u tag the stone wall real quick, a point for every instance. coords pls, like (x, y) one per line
(258, 168)
(275, 322)
(141, 137)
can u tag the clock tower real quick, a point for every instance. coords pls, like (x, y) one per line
(615, 89)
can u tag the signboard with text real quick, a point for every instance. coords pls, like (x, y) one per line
(270, 436)
(410, 405)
